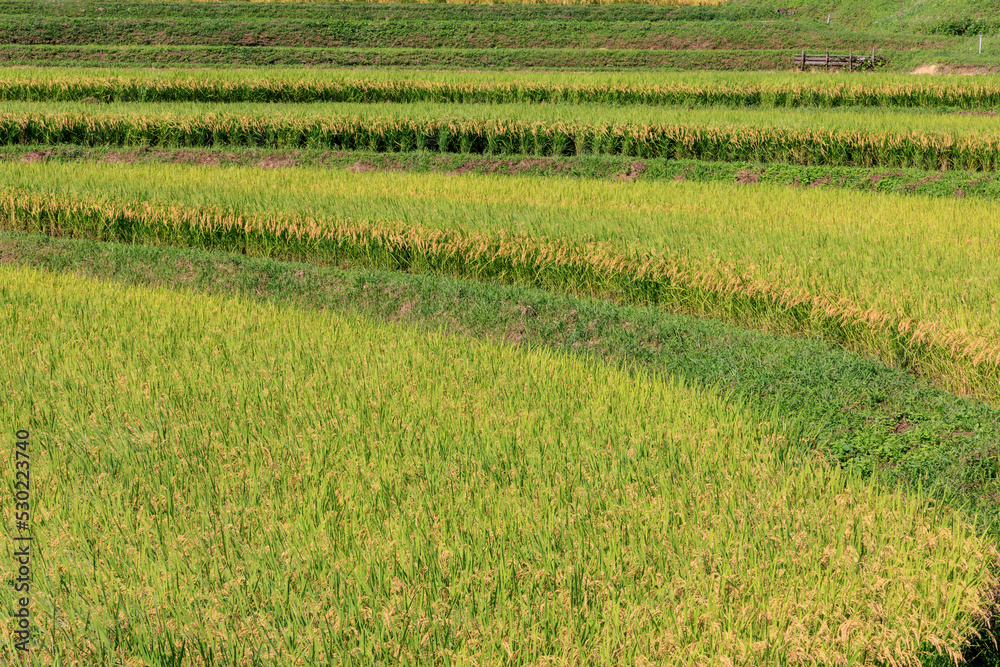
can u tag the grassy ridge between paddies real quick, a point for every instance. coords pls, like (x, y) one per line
(768, 89)
(859, 14)
(912, 280)
(296, 86)
(115, 56)
(307, 488)
(264, 57)
(655, 28)
(487, 33)
(744, 28)
(375, 11)
(815, 137)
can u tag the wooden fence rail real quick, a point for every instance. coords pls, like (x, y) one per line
(850, 61)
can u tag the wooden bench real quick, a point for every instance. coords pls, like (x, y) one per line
(850, 61)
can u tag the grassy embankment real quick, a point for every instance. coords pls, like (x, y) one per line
(741, 35)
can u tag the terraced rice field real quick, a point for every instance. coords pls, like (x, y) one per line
(343, 367)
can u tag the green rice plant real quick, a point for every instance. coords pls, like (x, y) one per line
(561, 141)
(238, 482)
(819, 261)
(444, 133)
(493, 145)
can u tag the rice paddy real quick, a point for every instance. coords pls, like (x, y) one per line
(567, 477)
(364, 492)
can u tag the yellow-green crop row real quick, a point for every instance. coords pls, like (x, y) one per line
(912, 280)
(650, 78)
(842, 119)
(810, 139)
(770, 90)
(265, 484)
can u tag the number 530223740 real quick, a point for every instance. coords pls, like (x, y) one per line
(22, 477)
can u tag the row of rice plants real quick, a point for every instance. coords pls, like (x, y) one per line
(650, 89)
(631, 79)
(250, 483)
(511, 137)
(942, 325)
(846, 120)
(500, 32)
(895, 121)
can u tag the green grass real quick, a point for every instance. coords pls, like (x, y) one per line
(262, 57)
(441, 35)
(881, 15)
(960, 53)
(745, 21)
(290, 483)
(377, 11)
(485, 33)
(482, 33)
(397, 34)
(855, 13)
